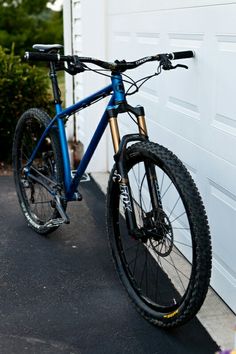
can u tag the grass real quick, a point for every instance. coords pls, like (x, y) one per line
(6, 168)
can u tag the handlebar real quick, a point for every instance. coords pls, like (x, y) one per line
(182, 55)
(38, 56)
(117, 66)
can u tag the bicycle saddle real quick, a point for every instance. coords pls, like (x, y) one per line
(46, 48)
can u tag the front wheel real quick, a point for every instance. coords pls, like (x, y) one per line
(167, 271)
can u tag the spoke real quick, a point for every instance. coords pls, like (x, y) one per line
(174, 207)
(131, 247)
(159, 262)
(140, 196)
(178, 253)
(156, 281)
(134, 259)
(184, 244)
(144, 267)
(178, 216)
(176, 269)
(26, 156)
(177, 272)
(135, 177)
(163, 227)
(162, 245)
(146, 275)
(159, 257)
(46, 201)
(136, 255)
(42, 211)
(138, 174)
(162, 181)
(166, 190)
(139, 210)
(181, 228)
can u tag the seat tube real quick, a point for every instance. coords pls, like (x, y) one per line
(64, 149)
(61, 126)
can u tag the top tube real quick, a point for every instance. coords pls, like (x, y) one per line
(87, 101)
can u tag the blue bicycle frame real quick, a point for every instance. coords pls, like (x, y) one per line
(118, 95)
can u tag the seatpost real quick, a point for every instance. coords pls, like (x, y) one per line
(55, 87)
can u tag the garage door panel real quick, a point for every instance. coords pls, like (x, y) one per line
(182, 123)
(224, 283)
(147, 39)
(122, 6)
(225, 117)
(220, 142)
(183, 93)
(186, 40)
(223, 202)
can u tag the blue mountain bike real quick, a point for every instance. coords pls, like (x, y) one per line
(157, 225)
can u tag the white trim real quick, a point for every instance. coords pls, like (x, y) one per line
(69, 84)
(93, 33)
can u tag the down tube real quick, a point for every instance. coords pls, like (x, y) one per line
(90, 151)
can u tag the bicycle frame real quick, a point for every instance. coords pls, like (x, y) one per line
(71, 184)
(117, 104)
(116, 88)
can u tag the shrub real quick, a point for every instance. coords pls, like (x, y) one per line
(21, 86)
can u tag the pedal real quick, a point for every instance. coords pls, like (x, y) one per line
(54, 222)
(85, 177)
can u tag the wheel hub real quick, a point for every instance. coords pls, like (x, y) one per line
(158, 231)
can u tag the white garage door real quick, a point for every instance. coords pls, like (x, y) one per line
(191, 112)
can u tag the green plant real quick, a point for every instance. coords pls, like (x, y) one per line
(21, 86)
(25, 22)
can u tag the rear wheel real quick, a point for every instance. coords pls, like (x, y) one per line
(35, 200)
(166, 272)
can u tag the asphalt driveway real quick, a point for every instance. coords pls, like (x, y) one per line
(62, 295)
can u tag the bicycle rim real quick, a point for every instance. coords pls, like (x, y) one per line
(36, 201)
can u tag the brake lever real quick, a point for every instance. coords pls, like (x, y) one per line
(180, 66)
(75, 67)
(167, 65)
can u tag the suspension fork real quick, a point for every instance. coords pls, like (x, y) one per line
(122, 178)
(152, 181)
(121, 175)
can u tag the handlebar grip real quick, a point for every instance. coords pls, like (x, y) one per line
(183, 55)
(37, 56)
